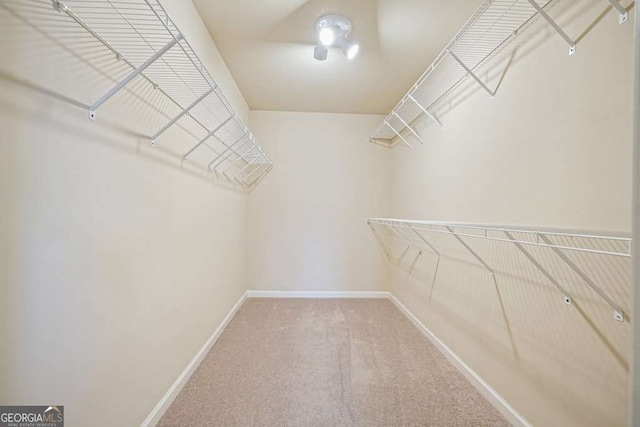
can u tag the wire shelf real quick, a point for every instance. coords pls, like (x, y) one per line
(562, 243)
(148, 48)
(490, 27)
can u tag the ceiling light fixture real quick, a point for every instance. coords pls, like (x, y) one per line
(327, 36)
(334, 30)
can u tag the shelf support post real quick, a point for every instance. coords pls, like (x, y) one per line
(618, 314)
(179, 116)
(209, 135)
(567, 296)
(495, 284)
(569, 40)
(402, 233)
(390, 227)
(408, 127)
(424, 110)
(132, 75)
(397, 133)
(435, 272)
(471, 251)
(379, 239)
(472, 74)
(421, 237)
(624, 15)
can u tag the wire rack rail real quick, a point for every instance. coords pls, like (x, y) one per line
(416, 234)
(149, 48)
(489, 28)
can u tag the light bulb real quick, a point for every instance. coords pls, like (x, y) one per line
(320, 53)
(327, 36)
(352, 51)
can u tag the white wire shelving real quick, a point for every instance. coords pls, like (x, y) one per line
(561, 243)
(148, 46)
(493, 24)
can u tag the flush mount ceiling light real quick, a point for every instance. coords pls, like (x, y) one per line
(333, 30)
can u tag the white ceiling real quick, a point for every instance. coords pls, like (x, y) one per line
(268, 46)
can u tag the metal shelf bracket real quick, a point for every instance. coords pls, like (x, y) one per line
(624, 15)
(179, 116)
(58, 5)
(471, 251)
(618, 314)
(541, 12)
(228, 151)
(424, 110)
(409, 127)
(435, 272)
(425, 241)
(379, 239)
(209, 135)
(472, 74)
(131, 76)
(567, 296)
(397, 134)
(240, 157)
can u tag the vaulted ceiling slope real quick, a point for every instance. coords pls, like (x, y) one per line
(268, 46)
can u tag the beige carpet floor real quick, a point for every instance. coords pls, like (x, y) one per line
(326, 362)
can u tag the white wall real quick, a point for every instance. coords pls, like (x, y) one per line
(307, 220)
(116, 263)
(553, 149)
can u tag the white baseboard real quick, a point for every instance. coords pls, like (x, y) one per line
(508, 411)
(320, 294)
(176, 387)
